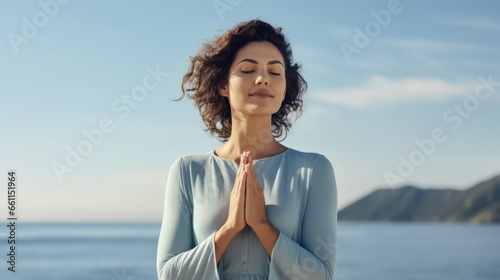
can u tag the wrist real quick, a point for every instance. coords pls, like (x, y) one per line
(268, 235)
(228, 230)
(263, 227)
(222, 238)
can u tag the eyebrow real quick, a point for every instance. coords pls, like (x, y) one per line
(255, 62)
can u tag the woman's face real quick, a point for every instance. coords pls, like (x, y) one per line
(256, 84)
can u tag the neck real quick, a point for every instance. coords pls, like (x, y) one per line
(251, 134)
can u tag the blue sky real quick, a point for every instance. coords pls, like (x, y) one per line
(397, 89)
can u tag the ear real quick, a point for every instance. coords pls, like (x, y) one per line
(224, 90)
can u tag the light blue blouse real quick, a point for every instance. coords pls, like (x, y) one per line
(301, 203)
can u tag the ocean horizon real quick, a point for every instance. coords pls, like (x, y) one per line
(367, 250)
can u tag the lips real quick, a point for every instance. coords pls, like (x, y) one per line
(261, 94)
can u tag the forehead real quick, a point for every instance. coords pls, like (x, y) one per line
(260, 51)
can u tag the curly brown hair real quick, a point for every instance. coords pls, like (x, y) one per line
(209, 70)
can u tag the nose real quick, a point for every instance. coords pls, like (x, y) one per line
(262, 78)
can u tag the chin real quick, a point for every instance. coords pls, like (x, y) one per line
(262, 111)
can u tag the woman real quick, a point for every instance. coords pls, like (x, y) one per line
(252, 208)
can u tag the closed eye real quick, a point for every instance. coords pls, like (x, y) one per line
(251, 71)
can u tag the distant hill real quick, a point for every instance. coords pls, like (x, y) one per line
(480, 203)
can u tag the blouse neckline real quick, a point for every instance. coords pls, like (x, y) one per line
(255, 160)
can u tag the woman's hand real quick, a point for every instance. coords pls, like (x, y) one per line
(255, 206)
(246, 207)
(235, 221)
(255, 209)
(236, 217)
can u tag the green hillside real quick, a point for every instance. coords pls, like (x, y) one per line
(480, 203)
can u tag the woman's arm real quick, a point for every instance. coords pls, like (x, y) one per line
(316, 255)
(268, 235)
(177, 257)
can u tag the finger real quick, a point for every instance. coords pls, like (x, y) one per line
(244, 155)
(247, 169)
(251, 171)
(247, 177)
(250, 177)
(243, 178)
(248, 183)
(250, 158)
(242, 185)
(240, 167)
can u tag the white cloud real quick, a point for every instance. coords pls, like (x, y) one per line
(379, 90)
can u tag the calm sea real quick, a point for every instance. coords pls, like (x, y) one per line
(374, 251)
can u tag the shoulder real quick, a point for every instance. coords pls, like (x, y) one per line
(190, 161)
(185, 167)
(318, 171)
(309, 159)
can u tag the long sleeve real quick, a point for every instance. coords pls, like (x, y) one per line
(316, 255)
(177, 255)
